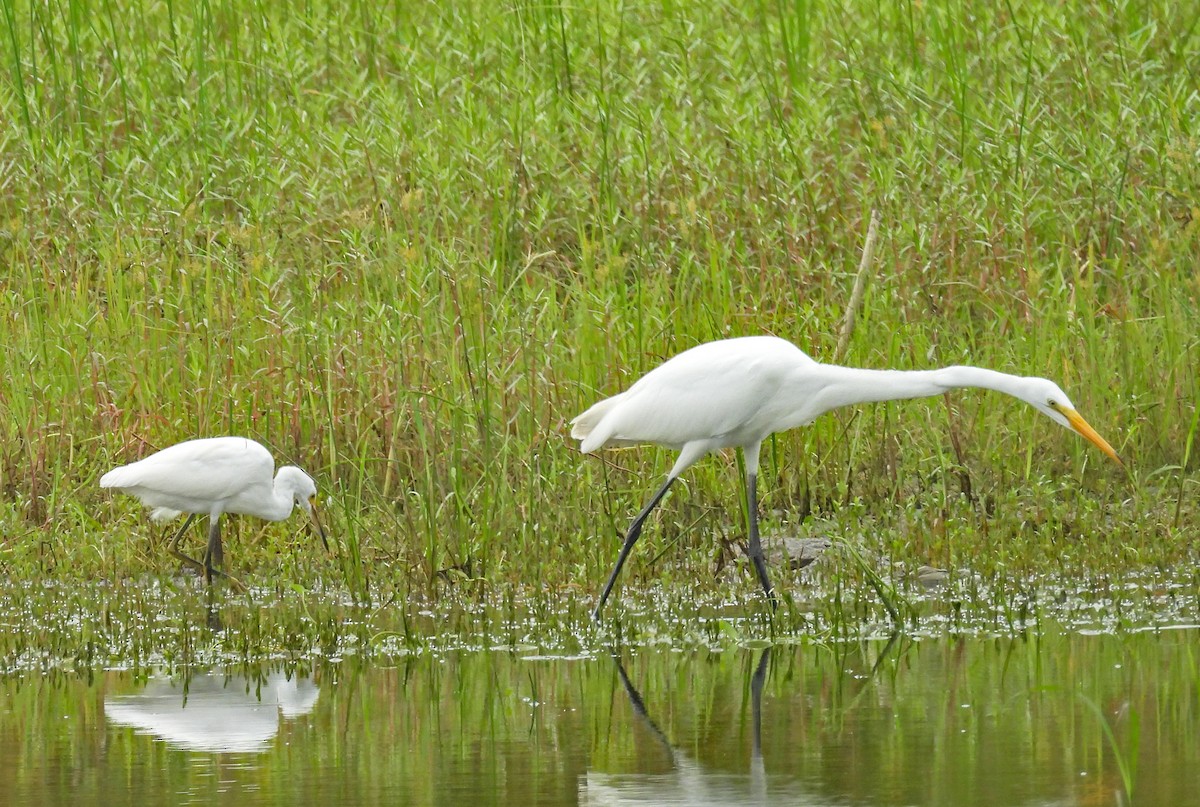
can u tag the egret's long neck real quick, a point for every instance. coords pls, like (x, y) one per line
(844, 386)
(282, 501)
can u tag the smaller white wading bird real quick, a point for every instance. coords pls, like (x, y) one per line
(214, 476)
(733, 393)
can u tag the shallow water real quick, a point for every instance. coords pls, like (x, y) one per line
(1057, 717)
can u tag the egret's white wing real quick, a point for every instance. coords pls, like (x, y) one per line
(712, 390)
(211, 469)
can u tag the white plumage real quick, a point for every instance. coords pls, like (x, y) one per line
(213, 476)
(733, 393)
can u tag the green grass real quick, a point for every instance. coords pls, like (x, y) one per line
(402, 245)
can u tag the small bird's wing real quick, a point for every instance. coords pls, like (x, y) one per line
(207, 470)
(713, 391)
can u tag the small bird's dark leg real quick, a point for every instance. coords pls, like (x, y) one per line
(205, 565)
(214, 555)
(755, 550)
(178, 537)
(635, 529)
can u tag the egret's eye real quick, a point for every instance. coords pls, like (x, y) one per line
(1053, 404)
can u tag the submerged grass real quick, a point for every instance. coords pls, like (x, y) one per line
(402, 245)
(174, 624)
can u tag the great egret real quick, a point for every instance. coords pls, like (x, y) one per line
(215, 475)
(735, 392)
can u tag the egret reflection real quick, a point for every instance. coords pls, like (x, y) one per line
(214, 713)
(691, 782)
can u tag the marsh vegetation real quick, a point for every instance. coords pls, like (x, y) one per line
(402, 245)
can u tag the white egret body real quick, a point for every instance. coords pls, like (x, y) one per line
(733, 393)
(213, 476)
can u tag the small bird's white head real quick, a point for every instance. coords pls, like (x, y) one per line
(297, 483)
(303, 490)
(1049, 399)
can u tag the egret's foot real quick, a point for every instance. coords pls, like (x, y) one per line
(209, 571)
(187, 559)
(237, 585)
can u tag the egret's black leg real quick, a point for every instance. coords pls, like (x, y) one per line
(635, 529)
(214, 555)
(755, 549)
(210, 556)
(178, 537)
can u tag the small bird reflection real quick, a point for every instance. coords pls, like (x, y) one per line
(214, 713)
(690, 782)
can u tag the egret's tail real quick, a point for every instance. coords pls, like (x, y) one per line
(114, 478)
(128, 478)
(583, 427)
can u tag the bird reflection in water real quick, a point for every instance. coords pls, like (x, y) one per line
(214, 713)
(690, 782)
